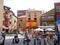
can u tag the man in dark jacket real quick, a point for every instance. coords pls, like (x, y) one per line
(58, 36)
(3, 33)
(26, 39)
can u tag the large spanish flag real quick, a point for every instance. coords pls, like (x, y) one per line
(31, 24)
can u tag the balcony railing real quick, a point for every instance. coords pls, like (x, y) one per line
(48, 19)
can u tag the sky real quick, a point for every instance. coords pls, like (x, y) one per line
(44, 5)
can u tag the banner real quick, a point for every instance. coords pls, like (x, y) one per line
(21, 12)
(31, 24)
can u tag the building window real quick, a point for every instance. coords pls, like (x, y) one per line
(58, 9)
(43, 17)
(35, 18)
(3, 22)
(58, 17)
(29, 15)
(52, 16)
(51, 24)
(35, 14)
(4, 16)
(10, 22)
(14, 21)
(29, 18)
(10, 16)
(44, 23)
(19, 25)
(21, 20)
(49, 16)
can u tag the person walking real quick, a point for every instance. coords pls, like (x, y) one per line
(47, 39)
(58, 36)
(55, 39)
(39, 39)
(26, 39)
(52, 40)
(35, 38)
(43, 42)
(3, 33)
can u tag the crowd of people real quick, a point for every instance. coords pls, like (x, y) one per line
(44, 39)
(40, 38)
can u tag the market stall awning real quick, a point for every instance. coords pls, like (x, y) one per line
(49, 29)
(38, 29)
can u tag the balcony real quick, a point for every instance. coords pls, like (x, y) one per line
(47, 18)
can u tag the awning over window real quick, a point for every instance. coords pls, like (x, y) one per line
(5, 27)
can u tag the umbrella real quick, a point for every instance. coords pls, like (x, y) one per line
(49, 29)
(38, 29)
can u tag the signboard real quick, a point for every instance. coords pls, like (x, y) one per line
(21, 12)
(58, 23)
(31, 24)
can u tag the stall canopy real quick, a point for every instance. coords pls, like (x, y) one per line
(49, 29)
(38, 29)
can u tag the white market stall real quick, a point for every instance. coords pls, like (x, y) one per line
(50, 31)
(38, 29)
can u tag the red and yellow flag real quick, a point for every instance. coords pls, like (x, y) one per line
(31, 24)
